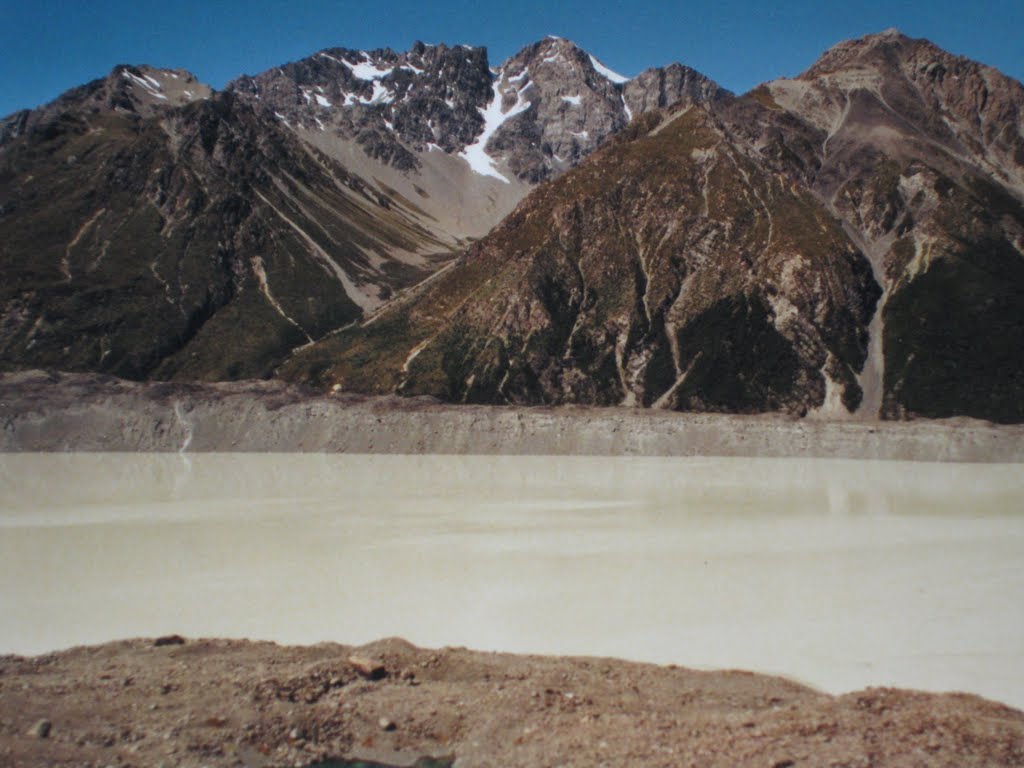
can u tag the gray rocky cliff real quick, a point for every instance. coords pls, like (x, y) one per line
(537, 114)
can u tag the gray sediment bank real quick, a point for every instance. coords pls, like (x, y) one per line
(83, 412)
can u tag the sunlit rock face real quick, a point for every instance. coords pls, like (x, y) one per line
(921, 155)
(531, 117)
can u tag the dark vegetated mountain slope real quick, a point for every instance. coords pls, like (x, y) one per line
(195, 241)
(150, 228)
(625, 282)
(672, 269)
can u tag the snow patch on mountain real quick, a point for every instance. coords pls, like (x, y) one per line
(380, 95)
(475, 154)
(147, 83)
(368, 70)
(614, 77)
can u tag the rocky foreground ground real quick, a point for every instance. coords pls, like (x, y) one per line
(174, 702)
(86, 412)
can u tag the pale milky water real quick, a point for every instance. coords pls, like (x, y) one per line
(840, 574)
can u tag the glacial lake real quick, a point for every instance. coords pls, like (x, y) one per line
(840, 574)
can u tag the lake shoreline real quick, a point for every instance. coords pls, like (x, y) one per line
(44, 411)
(234, 702)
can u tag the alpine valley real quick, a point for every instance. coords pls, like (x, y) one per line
(848, 243)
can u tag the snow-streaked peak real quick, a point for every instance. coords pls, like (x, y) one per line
(611, 75)
(148, 84)
(160, 87)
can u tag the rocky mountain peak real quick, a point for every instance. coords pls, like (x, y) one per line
(675, 84)
(570, 102)
(872, 50)
(557, 57)
(132, 90)
(146, 89)
(392, 104)
(533, 117)
(890, 89)
(566, 102)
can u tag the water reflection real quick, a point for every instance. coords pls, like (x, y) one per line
(841, 573)
(33, 483)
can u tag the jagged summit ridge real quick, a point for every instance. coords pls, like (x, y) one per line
(532, 117)
(133, 90)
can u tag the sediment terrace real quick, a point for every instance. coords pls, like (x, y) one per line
(86, 412)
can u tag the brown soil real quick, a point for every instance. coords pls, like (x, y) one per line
(238, 703)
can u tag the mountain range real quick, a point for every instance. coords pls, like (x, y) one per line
(848, 243)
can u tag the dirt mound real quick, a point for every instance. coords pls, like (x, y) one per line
(240, 703)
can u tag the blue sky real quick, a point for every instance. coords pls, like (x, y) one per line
(48, 46)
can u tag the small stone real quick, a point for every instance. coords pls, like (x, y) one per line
(41, 730)
(385, 724)
(169, 640)
(368, 668)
